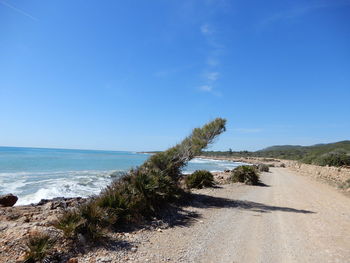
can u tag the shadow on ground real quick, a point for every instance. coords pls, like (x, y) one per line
(206, 201)
(179, 215)
(262, 184)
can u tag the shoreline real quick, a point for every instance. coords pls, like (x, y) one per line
(18, 222)
(144, 242)
(333, 176)
(33, 197)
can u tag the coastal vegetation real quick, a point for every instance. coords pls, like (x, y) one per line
(331, 154)
(263, 167)
(200, 179)
(247, 174)
(38, 246)
(143, 191)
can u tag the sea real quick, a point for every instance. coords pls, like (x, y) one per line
(33, 174)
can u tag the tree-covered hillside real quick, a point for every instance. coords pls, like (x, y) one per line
(334, 154)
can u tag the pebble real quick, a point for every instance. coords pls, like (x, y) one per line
(105, 260)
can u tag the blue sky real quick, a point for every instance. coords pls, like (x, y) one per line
(139, 75)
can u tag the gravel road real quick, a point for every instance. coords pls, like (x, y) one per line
(291, 218)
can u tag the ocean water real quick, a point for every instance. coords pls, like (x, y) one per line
(36, 173)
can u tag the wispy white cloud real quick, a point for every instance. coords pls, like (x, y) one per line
(248, 130)
(206, 88)
(206, 29)
(211, 73)
(20, 11)
(210, 89)
(212, 76)
(212, 61)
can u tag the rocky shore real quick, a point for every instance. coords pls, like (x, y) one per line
(18, 223)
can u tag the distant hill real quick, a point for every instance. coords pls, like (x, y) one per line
(317, 154)
(322, 147)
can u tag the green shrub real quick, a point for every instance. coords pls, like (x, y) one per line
(69, 221)
(335, 158)
(38, 245)
(200, 179)
(245, 174)
(263, 167)
(96, 220)
(119, 200)
(88, 219)
(138, 195)
(142, 191)
(345, 185)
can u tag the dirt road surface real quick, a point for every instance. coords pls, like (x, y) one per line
(291, 218)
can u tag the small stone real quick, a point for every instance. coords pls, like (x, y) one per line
(72, 260)
(105, 260)
(133, 249)
(81, 239)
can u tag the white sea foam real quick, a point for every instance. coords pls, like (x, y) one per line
(204, 160)
(31, 187)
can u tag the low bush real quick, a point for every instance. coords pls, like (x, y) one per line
(245, 174)
(283, 165)
(69, 221)
(345, 185)
(38, 246)
(88, 219)
(335, 158)
(199, 179)
(263, 167)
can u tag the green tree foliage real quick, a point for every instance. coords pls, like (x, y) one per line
(171, 161)
(142, 191)
(321, 154)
